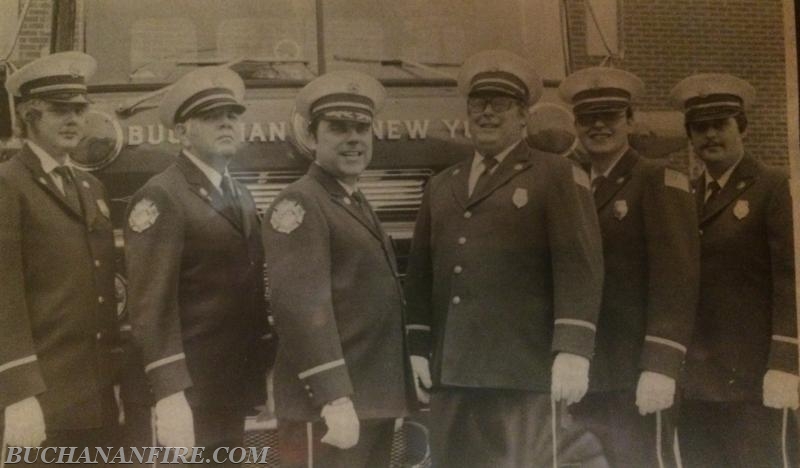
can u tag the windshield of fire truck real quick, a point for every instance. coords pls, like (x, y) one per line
(152, 41)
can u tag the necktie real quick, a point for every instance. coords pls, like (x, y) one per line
(70, 191)
(231, 200)
(597, 182)
(483, 180)
(361, 201)
(712, 189)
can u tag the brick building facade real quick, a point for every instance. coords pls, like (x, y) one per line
(665, 41)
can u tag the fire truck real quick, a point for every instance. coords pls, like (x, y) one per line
(414, 47)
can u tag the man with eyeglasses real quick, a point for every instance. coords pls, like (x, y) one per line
(503, 284)
(651, 251)
(741, 369)
(195, 275)
(57, 307)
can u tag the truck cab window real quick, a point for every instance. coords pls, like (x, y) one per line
(151, 41)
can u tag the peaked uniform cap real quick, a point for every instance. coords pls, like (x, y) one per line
(200, 91)
(500, 71)
(59, 77)
(712, 96)
(341, 95)
(600, 89)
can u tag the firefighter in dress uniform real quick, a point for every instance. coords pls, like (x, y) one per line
(651, 253)
(57, 308)
(341, 372)
(195, 273)
(741, 369)
(504, 282)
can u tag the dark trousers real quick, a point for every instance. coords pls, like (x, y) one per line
(734, 434)
(629, 439)
(213, 428)
(491, 428)
(299, 445)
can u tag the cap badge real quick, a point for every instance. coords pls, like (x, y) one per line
(74, 71)
(620, 209)
(353, 87)
(287, 216)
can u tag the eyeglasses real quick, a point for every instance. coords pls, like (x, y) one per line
(497, 103)
(703, 125)
(608, 118)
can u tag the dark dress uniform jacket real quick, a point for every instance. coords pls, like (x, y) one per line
(337, 304)
(507, 277)
(651, 253)
(57, 303)
(196, 290)
(746, 323)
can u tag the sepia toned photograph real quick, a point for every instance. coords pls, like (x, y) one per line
(399, 233)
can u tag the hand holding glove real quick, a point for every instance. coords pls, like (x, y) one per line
(24, 425)
(422, 378)
(655, 392)
(570, 379)
(174, 421)
(342, 422)
(780, 390)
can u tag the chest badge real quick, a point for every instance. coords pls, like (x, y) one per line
(520, 197)
(620, 209)
(741, 209)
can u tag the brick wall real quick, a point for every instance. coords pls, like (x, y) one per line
(665, 41)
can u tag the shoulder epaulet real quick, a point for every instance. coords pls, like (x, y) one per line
(676, 179)
(581, 177)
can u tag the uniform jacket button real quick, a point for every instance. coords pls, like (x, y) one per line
(101, 299)
(462, 240)
(457, 269)
(467, 214)
(456, 300)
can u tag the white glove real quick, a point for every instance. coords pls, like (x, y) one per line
(422, 378)
(655, 392)
(174, 421)
(570, 379)
(342, 422)
(780, 390)
(24, 424)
